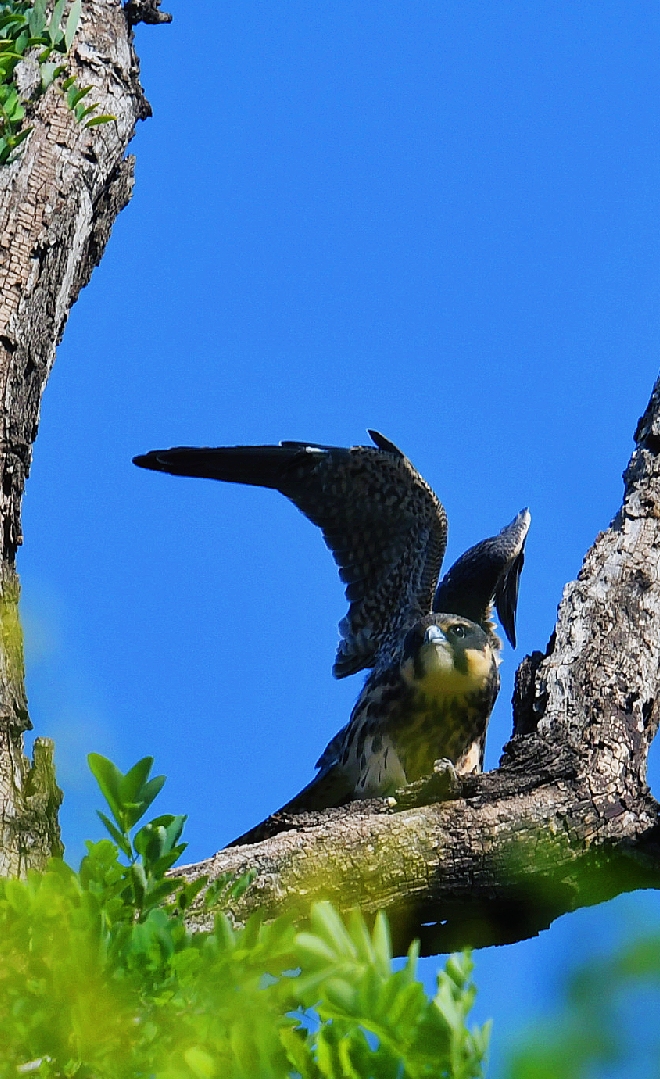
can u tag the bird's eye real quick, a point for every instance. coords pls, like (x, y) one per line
(459, 631)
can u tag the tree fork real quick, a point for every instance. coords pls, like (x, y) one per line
(566, 819)
(58, 201)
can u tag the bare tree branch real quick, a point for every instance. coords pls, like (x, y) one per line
(565, 821)
(58, 201)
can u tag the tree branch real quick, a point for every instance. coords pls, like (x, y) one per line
(565, 821)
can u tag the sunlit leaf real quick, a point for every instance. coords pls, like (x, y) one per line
(109, 778)
(100, 120)
(72, 23)
(120, 839)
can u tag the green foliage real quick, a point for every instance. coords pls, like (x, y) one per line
(378, 1023)
(99, 976)
(591, 1032)
(26, 28)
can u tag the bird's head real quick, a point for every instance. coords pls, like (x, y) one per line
(446, 655)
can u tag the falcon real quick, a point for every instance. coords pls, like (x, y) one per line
(431, 647)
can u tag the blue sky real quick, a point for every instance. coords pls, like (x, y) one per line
(436, 219)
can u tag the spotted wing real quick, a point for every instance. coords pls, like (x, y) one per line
(487, 573)
(385, 527)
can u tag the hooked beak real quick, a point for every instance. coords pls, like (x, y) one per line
(436, 654)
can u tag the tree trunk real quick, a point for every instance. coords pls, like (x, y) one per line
(565, 821)
(58, 201)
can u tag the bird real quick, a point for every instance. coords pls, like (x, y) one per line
(430, 645)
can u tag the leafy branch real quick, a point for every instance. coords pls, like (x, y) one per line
(100, 976)
(142, 886)
(25, 28)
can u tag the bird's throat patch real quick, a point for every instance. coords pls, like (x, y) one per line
(437, 677)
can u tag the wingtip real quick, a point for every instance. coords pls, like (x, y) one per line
(509, 627)
(150, 461)
(519, 525)
(506, 596)
(383, 443)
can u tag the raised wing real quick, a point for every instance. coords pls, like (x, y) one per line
(487, 573)
(385, 527)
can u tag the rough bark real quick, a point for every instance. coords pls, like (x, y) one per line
(58, 201)
(566, 820)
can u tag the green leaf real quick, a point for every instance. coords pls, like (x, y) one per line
(299, 1052)
(157, 844)
(139, 881)
(148, 842)
(137, 776)
(411, 960)
(54, 32)
(16, 114)
(341, 994)
(47, 74)
(100, 120)
(188, 892)
(149, 792)
(459, 968)
(327, 1060)
(21, 43)
(241, 884)
(8, 61)
(314, 948)
(224, 932)
(128, 795)
(72, 23)
(382, 944)
(36, 18)
(109, 778)
(12, 17)
(200, 1063)
(18, 139)
(329, 926)
(120, 838)
(161, 891)
(75, 94)
(215, 891)
(357, 928)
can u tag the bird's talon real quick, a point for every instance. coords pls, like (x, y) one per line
(445, 778)
(442, 785)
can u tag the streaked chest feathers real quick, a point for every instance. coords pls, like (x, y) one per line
(435, 703)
